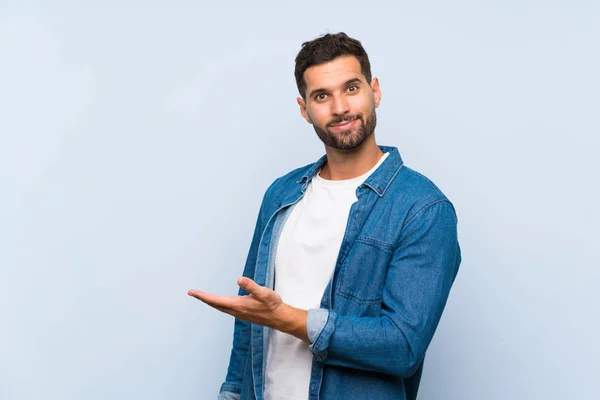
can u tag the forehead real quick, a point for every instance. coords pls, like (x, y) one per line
(333, 73)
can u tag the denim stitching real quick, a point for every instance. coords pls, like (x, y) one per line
(385, 246)
(421, 211)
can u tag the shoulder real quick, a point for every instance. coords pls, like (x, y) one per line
(415, 192)
(417, 185)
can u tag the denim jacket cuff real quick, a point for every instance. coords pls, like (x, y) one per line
(315, 322)
(320, 345)
(229, 391)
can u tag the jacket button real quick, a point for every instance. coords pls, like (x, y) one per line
(379, 191)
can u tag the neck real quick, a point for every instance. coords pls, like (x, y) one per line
(348, 164)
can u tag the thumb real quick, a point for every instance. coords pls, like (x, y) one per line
(250, 286)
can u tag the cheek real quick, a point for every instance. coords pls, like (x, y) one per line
(361, 104)
(318, 116)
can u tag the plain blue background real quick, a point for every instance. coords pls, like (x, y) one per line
(137, 139)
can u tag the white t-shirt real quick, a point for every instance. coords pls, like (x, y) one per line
(305, 258)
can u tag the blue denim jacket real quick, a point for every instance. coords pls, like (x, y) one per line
(396, 265)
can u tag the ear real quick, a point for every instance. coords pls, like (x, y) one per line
(303, 110)
(376, 91)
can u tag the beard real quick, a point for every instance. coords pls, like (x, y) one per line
(352, 137)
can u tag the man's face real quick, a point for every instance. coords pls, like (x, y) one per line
(340, 103)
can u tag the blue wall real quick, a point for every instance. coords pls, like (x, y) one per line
(137, 139)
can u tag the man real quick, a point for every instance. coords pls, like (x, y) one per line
(352, 258)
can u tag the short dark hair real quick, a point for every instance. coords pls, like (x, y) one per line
(327, 48)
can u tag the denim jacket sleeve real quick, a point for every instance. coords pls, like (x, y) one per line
(232, 387)
(418, 281)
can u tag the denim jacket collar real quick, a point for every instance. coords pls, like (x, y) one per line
(378, 181)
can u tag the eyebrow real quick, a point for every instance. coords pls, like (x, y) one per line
(323, 90)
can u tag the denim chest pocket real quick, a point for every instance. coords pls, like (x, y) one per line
(362, 275)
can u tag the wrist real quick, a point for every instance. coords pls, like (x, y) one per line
(293, 321)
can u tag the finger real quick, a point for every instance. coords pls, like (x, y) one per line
(236, 314)
(251, 287)
(233, 312)
(225, 310)
(212, 300)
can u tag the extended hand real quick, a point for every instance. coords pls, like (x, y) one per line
(262, 306)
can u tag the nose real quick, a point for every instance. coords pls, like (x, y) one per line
(339, 106)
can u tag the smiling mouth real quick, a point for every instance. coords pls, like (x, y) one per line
(345, 124)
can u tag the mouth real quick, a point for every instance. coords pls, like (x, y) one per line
(345, 124)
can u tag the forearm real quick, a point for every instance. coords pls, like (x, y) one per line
(418, 282)
(369, 343)
(292, 320)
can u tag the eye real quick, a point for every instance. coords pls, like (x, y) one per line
(320, 96)
(352, 88)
